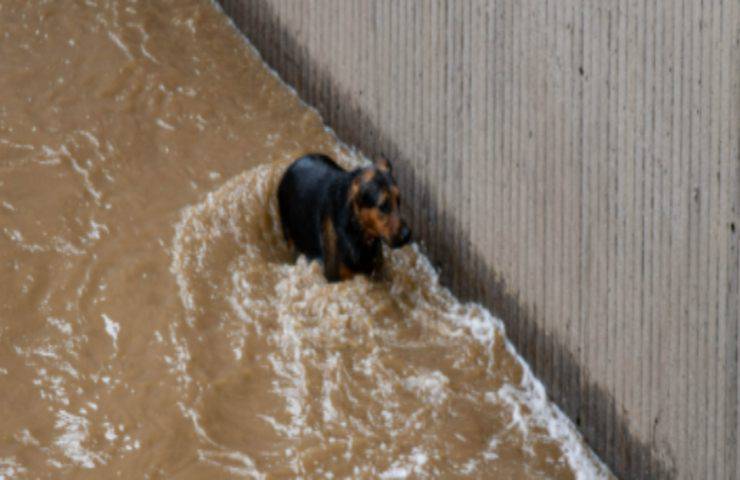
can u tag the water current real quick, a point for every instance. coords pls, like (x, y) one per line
(153, 323)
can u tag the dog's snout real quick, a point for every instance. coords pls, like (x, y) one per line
(404, 236)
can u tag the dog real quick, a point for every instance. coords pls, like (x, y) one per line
(341, 217)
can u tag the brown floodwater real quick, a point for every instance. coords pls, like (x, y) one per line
(153, 324)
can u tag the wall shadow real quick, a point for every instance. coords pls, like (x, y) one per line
(589, 406)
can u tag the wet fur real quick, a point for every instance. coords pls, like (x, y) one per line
(333, 215)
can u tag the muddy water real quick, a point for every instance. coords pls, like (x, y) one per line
(152, 322)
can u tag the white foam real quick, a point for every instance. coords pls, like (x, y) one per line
(63, 246)
(179, 364)
(395, 472)
(112, 328)
(408, 465)
(92, 138)
(245, 466)
(17, 237)
(10, 468)
(85, 173)
(74, 434)
(164, 125)
(217, 455)
(429, 386)
(328, 386)
(14, 235)
(60, 324)
(22, 146)
(119, 43)
(26, 438)
(144, 40)
(483, 326)
(110, 432)
(95, 230)
(56, 384)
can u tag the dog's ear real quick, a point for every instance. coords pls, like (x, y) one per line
(383, 164)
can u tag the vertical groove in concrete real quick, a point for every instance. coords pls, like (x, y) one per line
(575, 165)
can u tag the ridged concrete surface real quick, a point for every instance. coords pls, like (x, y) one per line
(574, 165)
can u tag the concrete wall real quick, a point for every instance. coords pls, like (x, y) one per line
(574, 165)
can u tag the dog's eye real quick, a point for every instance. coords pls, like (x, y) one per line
(367, 200)
(385, 207)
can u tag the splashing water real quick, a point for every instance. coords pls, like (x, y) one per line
(379, 379)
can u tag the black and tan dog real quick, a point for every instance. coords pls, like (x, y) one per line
(339, 216)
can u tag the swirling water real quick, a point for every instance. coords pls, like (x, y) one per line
(153, 324)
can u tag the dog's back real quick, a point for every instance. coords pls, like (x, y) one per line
(303, 195)
(341, 217)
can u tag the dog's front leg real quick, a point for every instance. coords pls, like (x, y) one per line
(379, 271)
(329, 250)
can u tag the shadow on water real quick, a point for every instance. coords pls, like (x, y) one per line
(589, 406)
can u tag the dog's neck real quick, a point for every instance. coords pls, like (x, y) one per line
(358, 242)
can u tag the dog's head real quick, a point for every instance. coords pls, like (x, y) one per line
(376, 201)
